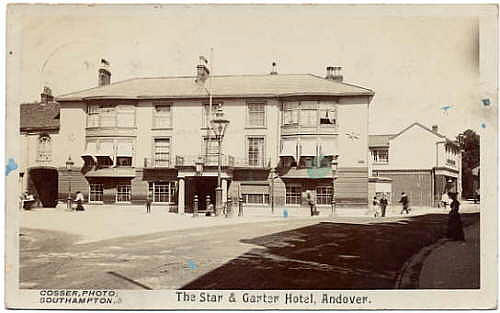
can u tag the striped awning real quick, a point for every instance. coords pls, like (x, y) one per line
(289, 148)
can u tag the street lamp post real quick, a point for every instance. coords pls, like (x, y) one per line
(69, 167)
(335, 164)
(219, 125)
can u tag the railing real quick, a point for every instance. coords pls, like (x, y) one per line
(207, 160)
(252, 163)
(226, 160)
(157, 163)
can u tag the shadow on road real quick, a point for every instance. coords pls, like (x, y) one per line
(330, 255)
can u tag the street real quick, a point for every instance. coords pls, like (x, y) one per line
(276, 254)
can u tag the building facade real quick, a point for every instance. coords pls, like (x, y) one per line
(421, 162)
(153, 134)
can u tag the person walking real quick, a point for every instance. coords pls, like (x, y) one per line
(79, 200)
(404, 202)
(375, 204)
(455, 226)
(383, 205)
(149, 200)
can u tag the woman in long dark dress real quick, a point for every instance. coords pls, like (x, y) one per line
(455, 227)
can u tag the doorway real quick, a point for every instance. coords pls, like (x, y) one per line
(43, 184)
(202, 187)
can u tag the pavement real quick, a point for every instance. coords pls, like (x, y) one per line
(102, 222)
(454, 264)
(92, 249)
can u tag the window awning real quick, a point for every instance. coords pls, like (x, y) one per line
(105, 150)
(124, 149)
(328, 147)
(89, 154)
(308, 148)
(289, 148)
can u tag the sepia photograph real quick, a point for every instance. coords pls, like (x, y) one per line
(251, 156)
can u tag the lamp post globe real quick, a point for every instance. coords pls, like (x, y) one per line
(69, 168)
(219, 125)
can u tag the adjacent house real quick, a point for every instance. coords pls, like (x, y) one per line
(39, 126)
(420, 161)
(152, 134)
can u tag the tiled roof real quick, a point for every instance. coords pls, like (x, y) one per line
(37, 116)
(379, 140)
(222, 86)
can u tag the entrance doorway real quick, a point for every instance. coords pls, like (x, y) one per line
(43, 184)
(202, 187)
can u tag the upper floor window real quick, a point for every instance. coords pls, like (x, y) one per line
(162, 116)
(106, 115)
(211, 150)
(255, 151)
(162, 151)
(44, 149)
(110, 152)
(206, 116)
(256, 114)
(291, 113)
(380, 155)
(310, 113)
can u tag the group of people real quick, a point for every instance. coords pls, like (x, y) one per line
(380, 205)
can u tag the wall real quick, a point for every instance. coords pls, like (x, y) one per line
(352, 116)
(416, 184)
(187, 132)
(413, 149)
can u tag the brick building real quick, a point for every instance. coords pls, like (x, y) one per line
(420, 161)
(142, 134)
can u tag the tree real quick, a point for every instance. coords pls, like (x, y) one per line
(469, 143)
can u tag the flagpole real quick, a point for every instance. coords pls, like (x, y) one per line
(210, 66)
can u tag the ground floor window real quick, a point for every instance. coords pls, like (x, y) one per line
(123, 193)
(163, 191)
(293, 194)
(95, 194)
(255, 198)
(324, 194)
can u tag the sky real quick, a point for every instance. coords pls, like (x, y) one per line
(422, 64)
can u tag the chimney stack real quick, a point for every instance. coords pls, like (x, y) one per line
(274, 70)
(202, 71)
(334, 73)
(434, 128)
(104, 76)
(46, 95)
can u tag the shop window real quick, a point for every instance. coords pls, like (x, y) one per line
(293, 194)
(95, 194)
(123, 193)
(255, 198)
(163, 191)
(324, 194)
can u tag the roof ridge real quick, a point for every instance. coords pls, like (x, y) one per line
(97, 87)
(342, 82)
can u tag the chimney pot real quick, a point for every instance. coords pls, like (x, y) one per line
(334, 73)
(435, 128)
(46, 95)
(104, 74)
(202, 71)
